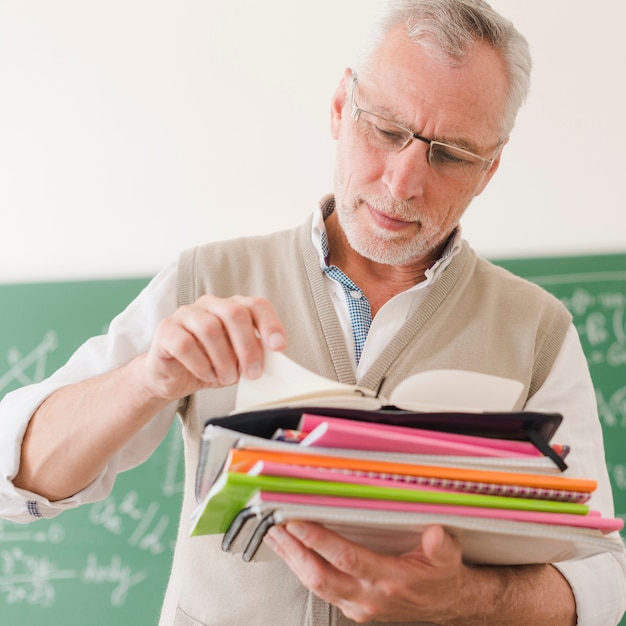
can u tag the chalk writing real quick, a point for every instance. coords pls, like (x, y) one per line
(601, 323)
(150, 540)
(114, 572)
(618, 474)
(143, 526)
(612, 411)
(104, 514)
(52, 533)
(26, 578)
(579, 302)
(30, 579)
(36, 360)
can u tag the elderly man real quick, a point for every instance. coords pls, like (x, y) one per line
(378, 284)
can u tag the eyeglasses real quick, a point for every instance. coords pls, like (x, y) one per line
(445, 159)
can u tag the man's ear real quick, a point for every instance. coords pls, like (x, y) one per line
(338, 103)
(492, 170)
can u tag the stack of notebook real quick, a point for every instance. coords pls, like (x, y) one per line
(379, 476)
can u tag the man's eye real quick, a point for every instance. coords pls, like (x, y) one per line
(448, 156)
(442, 155)
(391, 136)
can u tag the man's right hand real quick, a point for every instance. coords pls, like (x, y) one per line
(211, 343)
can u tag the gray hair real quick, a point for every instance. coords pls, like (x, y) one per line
(447, 30)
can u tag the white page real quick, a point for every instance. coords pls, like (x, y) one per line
(286, 382)
(456, 390)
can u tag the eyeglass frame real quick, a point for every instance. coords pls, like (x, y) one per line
(355, 112)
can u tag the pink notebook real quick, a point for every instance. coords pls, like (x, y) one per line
(332, 432)
(592, 520)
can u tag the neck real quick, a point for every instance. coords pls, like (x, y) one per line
(379, 282)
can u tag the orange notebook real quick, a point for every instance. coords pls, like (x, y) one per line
(242, 460)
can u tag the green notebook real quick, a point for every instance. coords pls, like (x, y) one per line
(232, 492)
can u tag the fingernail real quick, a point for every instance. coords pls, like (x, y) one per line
(254, 371)
(276, 341)
(296, 529)
(209, 377)
(230, 378)
(270, 540)
(275, 536)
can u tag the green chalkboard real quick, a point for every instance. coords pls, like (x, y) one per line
(105, 563)
(593, 288)
(108, 563)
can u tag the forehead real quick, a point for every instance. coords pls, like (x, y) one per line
(446, 101)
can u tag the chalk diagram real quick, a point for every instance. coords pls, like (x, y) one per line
(29, 368)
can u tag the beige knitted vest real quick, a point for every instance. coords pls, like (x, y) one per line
(476, 317)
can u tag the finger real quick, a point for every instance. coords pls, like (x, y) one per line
(178, 348)
(439, 547)
(236, 347)
(267, 322)
(346, 556)
(212, 344)
(175, 366)
(312, 570)
(248, 322)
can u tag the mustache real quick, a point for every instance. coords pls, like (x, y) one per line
(396, 209)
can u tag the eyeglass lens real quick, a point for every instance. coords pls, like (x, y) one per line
(446, 160)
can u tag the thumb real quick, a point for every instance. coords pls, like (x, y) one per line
(439, 547)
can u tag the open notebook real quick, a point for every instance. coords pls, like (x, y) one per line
(286, 383)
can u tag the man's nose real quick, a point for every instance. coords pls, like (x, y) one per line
(406, 171)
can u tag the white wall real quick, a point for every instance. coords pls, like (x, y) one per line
(131, 129)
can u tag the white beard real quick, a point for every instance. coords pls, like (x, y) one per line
(386, 246)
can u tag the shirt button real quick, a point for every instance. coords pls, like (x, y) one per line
(357, 295)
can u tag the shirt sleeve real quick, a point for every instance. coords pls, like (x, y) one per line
(129, 335)
(598, 582)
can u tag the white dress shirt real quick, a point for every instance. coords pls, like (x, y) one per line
(598, 582)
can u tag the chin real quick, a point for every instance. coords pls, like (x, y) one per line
(380, 245)
(388, 252)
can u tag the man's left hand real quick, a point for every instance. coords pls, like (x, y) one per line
(422, 585)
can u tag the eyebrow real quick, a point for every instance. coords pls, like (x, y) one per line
(462, 143)
(389, 116)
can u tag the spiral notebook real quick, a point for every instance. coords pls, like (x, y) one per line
(491, 529)
(485, 537)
